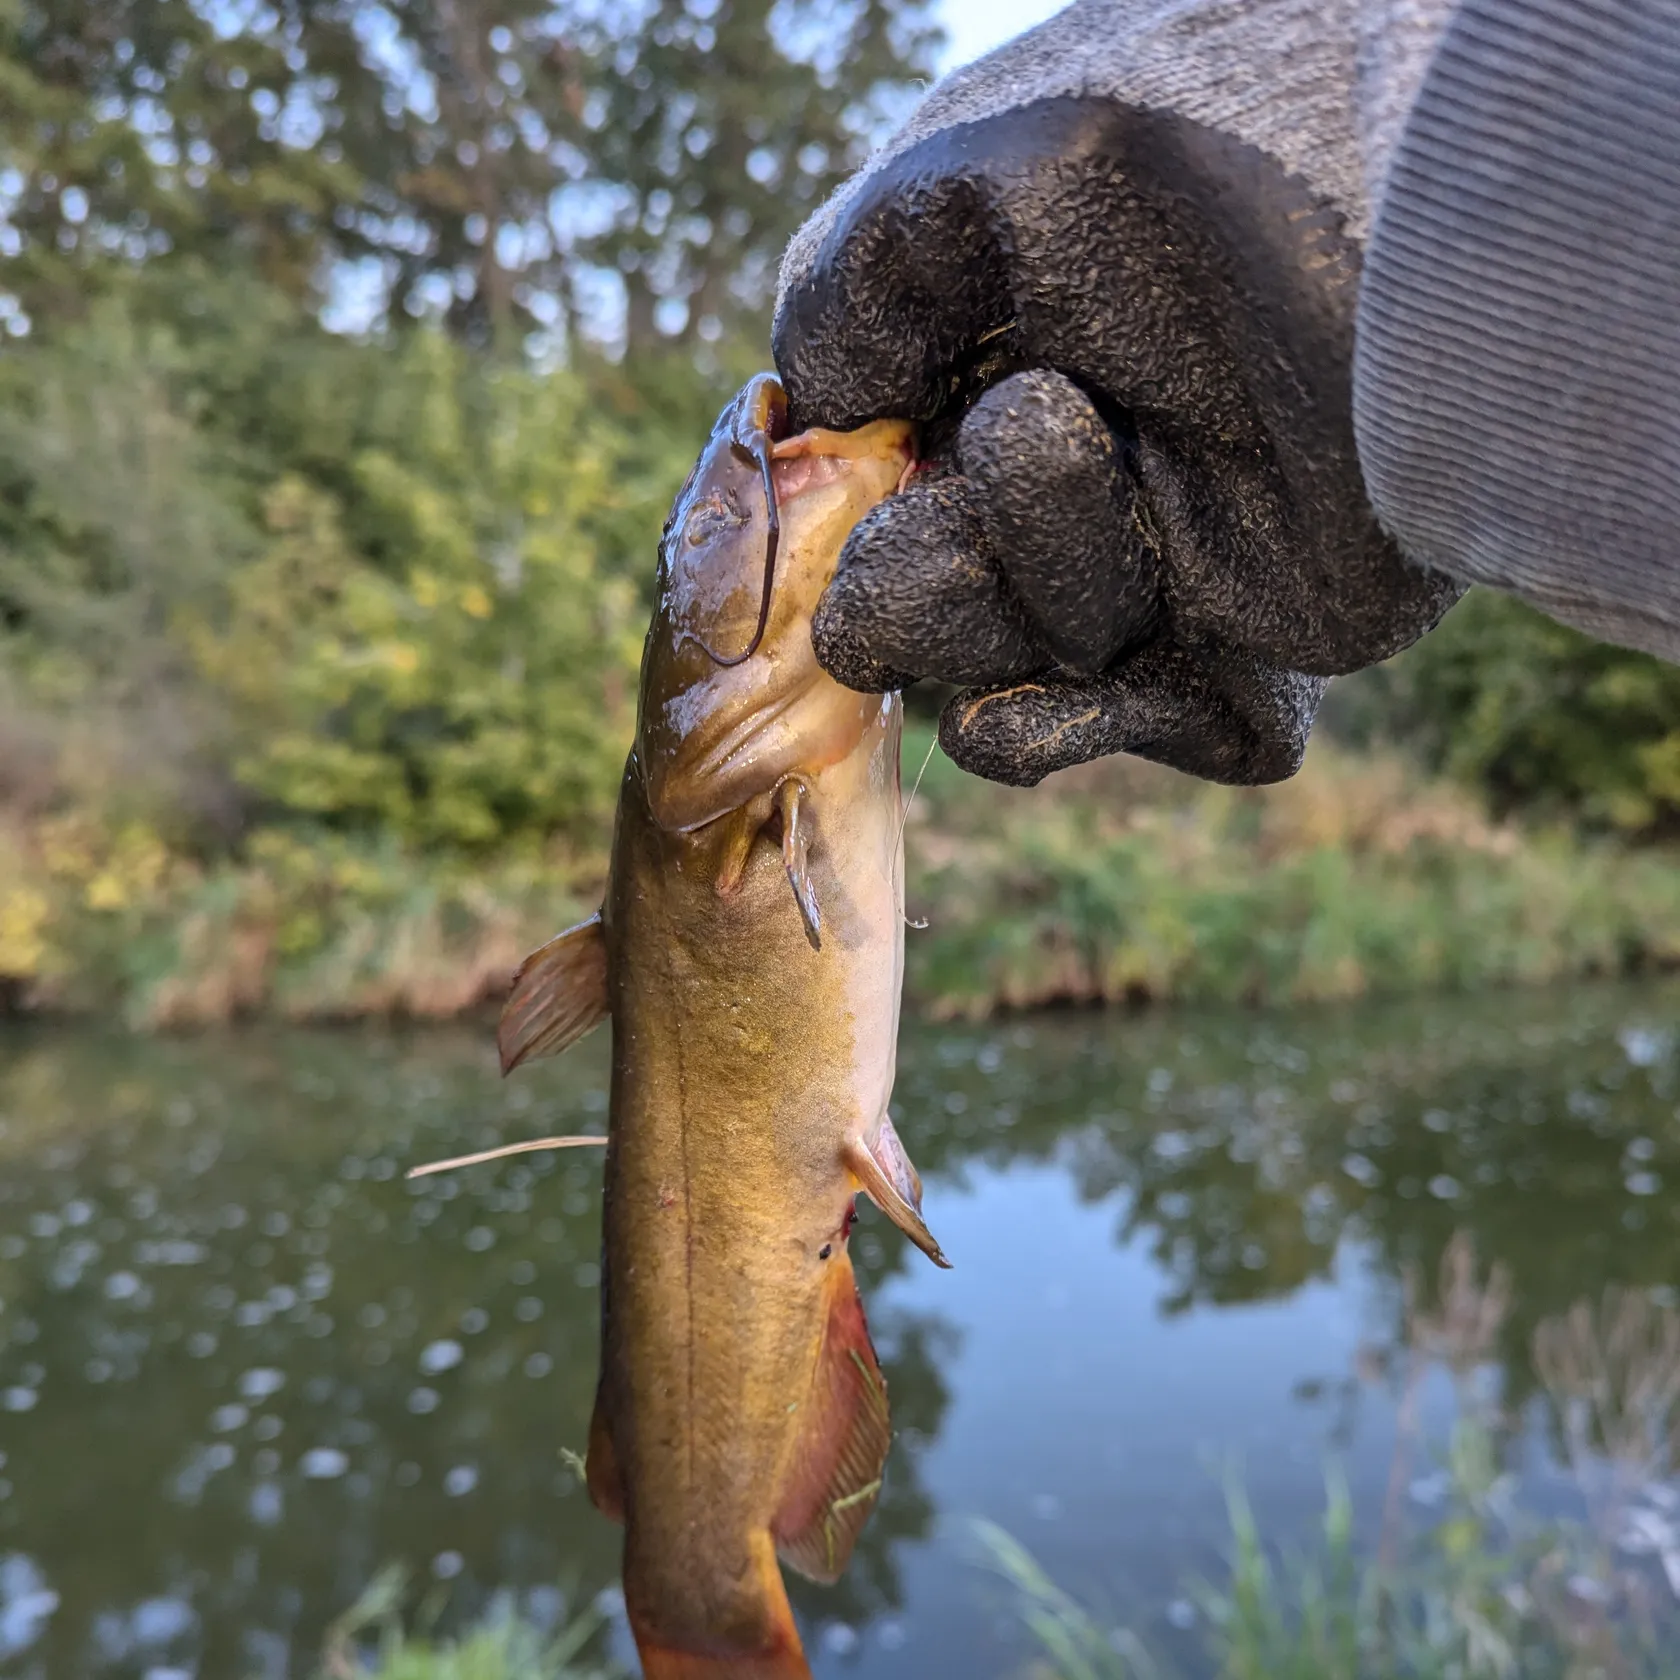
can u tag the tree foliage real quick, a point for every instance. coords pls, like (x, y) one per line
(1539, 716)
(279, 577)
(464, 671)
(706, 133)
(138, 130)
(503, 164)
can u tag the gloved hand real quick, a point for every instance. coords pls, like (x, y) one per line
(1128, 330)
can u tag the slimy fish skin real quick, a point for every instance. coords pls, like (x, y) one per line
(749, 955)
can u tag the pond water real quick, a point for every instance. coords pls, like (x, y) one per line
(244, 1363)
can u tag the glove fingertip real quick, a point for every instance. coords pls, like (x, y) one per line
(844, 656)
(914, 590)
(1018, 735)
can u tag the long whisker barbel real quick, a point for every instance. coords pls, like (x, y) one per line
(757, 448)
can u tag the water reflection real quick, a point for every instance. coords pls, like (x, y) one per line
(243, 1363)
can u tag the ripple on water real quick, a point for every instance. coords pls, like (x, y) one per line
(441, 1355)
(267, 1504)
(122, 1286)
(26, 1603)
(161, 1621)
(260, 1382)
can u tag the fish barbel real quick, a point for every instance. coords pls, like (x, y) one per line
(749, 954)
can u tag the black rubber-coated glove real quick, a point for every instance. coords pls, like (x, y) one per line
(1130, 336)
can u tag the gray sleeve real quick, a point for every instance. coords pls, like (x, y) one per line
(1278, 75)
(1517, 369)
(1511, 171)
(1321, 86)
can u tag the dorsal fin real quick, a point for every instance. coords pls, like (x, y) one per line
(559, 993)
(895, 1187)
(835, 1474)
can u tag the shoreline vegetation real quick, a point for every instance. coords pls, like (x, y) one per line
(1484, 1563)
(1471, 1575)
(318, 665)
(1117, 883)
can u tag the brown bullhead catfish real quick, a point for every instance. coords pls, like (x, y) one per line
(749, 954)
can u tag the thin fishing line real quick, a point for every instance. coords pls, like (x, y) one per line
(904, 817)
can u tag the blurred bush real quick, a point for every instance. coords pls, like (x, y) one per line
(1123, 882)
(444, 650)
(1536, 716)
(393, 591)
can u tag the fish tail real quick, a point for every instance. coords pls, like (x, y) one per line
(787, 1663)
(765, 1647)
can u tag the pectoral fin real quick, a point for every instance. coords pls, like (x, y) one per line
(559, 993)
(894, 1185)
(793, 800)
(835, 1473)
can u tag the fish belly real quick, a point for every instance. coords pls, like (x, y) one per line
(743, 1059)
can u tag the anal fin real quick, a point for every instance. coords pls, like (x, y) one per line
(835, 1474)
(881, 1166)
(559, 993)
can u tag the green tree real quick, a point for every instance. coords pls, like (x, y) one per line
(264, 572)
(444, 651)
(709, 129)
(139, 131)
(492, 162)
(1539, 716)
(521, 153)
(116, 517)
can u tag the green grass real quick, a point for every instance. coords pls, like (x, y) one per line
(370, 1642)
(1120, 882)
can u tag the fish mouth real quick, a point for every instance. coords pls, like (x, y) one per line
(752, 432)
(810, 459)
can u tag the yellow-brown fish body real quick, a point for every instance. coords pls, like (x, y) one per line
(751, 954)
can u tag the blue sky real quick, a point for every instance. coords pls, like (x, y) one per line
(976, 26)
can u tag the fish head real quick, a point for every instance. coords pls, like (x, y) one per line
(732, 697)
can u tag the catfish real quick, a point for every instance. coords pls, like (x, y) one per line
(749, 955)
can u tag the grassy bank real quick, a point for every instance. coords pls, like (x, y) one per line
(371, 1641)
(1122, 882)
(1116, 882)
(1488, 1587)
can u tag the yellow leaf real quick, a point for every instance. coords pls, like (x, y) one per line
(105, 892)
(404, 658)
(475, 602)
(23, 920)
